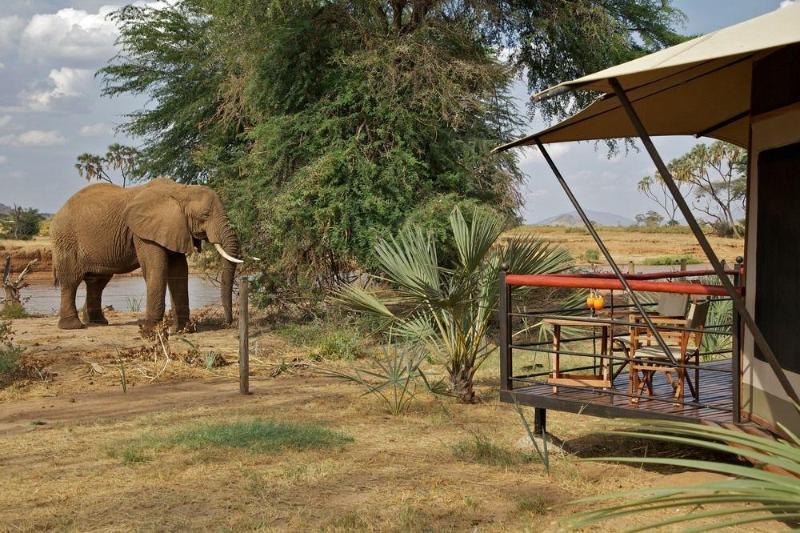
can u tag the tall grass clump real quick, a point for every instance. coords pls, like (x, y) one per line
(768, 491)
(449, 310)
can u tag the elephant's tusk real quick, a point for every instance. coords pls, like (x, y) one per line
(225, 254)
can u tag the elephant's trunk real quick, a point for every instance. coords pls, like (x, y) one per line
(229, 242)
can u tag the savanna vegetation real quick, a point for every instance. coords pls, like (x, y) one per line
(350, 142)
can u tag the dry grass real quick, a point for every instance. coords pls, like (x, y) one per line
(163, 456)
(628, 245)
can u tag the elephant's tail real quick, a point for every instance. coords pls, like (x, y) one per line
(55, 275)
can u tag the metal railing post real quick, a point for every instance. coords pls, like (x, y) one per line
(504, 322)
(736, 351)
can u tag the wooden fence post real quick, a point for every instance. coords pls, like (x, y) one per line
(244, 337)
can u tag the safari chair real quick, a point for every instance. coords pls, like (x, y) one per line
(669, 305)
(647, 357)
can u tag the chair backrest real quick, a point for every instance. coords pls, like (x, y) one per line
(697, 314)
(672, 305)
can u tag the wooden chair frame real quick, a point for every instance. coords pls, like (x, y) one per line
(674, 338)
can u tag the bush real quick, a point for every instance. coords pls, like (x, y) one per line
(13, 310)
(325, 340)
(592, 256)
(672, 260)
(10, 364)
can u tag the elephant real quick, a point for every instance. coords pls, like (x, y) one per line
(104, 229)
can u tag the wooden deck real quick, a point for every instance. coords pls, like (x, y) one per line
(716, 395)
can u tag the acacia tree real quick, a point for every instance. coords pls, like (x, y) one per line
(324, 123)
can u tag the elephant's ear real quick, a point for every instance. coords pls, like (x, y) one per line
(156, 216)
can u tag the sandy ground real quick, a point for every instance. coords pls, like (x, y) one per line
(59, 469)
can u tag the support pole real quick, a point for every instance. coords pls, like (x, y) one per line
(539, 421)
(244, 337)
(607, 255)
(503, 321)
(738, 301)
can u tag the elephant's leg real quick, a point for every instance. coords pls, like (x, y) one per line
(155, 264)
(68, 313)
(93, 312)
(178, 283)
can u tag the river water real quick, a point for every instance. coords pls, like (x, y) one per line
(124, 293)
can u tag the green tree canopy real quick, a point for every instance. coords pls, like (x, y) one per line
(323, 123)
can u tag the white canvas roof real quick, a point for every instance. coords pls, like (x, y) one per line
(699, 87)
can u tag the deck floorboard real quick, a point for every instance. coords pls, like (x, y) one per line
(716, 396)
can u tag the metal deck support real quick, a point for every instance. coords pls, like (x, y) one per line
(504, 323)
(738, 301)
(539, 421)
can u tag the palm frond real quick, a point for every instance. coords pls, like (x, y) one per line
(410, 262)
(476, 238)
(773, 486)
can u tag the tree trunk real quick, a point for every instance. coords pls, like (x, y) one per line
(461, 384)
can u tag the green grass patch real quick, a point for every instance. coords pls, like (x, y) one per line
(672, 260)
(259, 436)
(480, 449)
(325, 341)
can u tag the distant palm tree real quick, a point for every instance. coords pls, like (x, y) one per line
(93, 167)
(451, 309)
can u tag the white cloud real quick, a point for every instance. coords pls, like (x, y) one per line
(5, 120)
(532, 155)
(3, 160)
(65, 82)
(96, 130)
(70, 34)
(33, 138)
(786, 3)
(10, 29)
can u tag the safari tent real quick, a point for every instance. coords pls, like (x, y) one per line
(740, 84)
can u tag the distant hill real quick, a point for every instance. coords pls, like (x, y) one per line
(4, 209)
(598, 217)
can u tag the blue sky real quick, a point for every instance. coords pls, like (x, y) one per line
(51, 110)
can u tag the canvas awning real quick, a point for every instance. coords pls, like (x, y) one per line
(700, 87)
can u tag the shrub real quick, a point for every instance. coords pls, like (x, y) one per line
(592, 256)
(13, 310)
(10, 365)
(672, 260)
(331, 340)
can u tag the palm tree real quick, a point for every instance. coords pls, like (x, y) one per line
(450, 310)
(768, 491)
(91, 167)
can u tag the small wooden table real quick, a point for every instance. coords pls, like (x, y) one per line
(604, 379)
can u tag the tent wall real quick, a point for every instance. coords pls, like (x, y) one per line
(773, 237)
